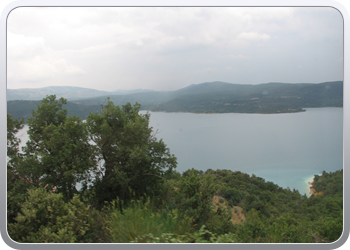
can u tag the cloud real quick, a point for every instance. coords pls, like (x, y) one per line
(206, 70)
(253, 36)
(38, 69)
(29, 59)
(234, 56)
(167, 46)
(20, 46)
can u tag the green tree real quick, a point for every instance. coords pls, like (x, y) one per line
(332, 228)
(194, 196)
(13, 126)
(252, 230)
(58, 152)
(133, 158)
(233, 195)
(16, 184)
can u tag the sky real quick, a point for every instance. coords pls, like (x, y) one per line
(170, 48)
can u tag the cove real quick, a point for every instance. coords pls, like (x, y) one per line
(287, 149)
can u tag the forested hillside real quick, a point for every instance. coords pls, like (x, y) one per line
(212, 97)
(23, 109)
(131, 192)
(261, 98)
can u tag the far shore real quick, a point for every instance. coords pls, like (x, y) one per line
(205, 113)
(221, 112)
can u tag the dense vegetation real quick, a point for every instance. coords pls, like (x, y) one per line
(261, 98)
(131, 192)
(23, 109)
(213, 97)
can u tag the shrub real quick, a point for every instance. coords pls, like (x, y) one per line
(46, 218)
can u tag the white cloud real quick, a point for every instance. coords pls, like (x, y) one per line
(253, 36)
(22, 46)
(29, 59)
(38, 69)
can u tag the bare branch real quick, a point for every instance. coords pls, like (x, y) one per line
(153, 135)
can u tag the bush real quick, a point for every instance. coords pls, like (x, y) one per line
(194, 197)
(220, 223)
(46, 218)
(233, 195)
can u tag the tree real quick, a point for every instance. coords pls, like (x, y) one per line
(13, 126)
(16, 184)
(233, 194)
(194, 196)
(58, 152)
(133, 158)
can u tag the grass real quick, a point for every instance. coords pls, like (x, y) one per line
(141, 218)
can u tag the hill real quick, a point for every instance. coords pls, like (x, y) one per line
(67, 92)
(209, 97)
(263, 98)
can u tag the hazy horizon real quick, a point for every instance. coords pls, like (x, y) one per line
(174, 89)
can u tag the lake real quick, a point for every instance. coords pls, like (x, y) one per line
(287, 149)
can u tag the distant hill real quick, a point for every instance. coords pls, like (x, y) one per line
(209, 97)
(262, 98)
(67, 92)
(128, 92)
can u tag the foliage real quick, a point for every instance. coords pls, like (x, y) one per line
(137, 196)
(58, 152)
(23, 109)
(45, 217)
(201, 236)
(220, 222)
(211, 97)
(16, 193)
(261, 98)
(16, 186)
(13, 126)
(194, 194)
(133, 157)
(283, 215)
(333, 182)
(141, 217)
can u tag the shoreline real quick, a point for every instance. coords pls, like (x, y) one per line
(208, 113)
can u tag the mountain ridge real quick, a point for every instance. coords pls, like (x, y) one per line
(212, 97)
(68, 92)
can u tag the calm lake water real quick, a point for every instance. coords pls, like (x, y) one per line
(287, 149)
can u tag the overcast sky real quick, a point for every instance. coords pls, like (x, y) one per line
(170, 48)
